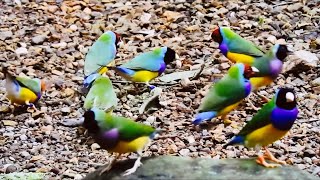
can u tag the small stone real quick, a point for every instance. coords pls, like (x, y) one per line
(21, 50)
(29, 166)
(56, 72)
(172, 148)
(55, 136)
(154, 148)
(95, 146)
(295, 7)
(38, 39)
(184, 152)
(47, 129)
(5, 35)
(36, 158)
(310, 58)
(11, 168)
(298, 82)
(151, 119)
(59, 45)
(23, 137)
(87, 10)
(73, 27)
(52, 9)
(316, 82)
(9, 123)
(24, 154)
(4, 109)
(191, 139)
(272, 39)
(55, 170)
(66, 110)
(224, 65)
(78, 177)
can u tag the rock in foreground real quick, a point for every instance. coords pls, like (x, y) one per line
(172, 167)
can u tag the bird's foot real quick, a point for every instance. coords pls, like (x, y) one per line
(134, 168)
(270, 157)
(260, 160)
(227, 122)
(106, 169)
(152, 87)
(253, 106)
(31, 108)
(264, 99)
(234, 126)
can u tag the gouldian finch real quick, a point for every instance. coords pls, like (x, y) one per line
(23, 90)
(226, 94)
(269, 66)
(147, 66)
(102, 52)
(234, 47)
(271, 123)
(118, 134)
(101, 95)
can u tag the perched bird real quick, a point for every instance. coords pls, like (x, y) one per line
(269, 66)
(146, 66)
(118, 134)
(102, 52)
(23, 90)
(234, 47)
(101, 95)
(270, 124)
(226, 94)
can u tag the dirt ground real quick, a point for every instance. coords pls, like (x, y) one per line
(49, 39)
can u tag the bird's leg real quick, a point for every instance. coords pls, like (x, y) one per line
(260, 160)
(251, 104)
(135, 85)
(137, 164)
(110, 164)
(31, 105)
(225, 120)
(264, 99)
(269, 156)
(150, 86)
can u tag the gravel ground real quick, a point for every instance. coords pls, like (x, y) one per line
(49, 39)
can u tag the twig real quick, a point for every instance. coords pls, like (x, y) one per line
(153, 83)
(310, 120)
(282, 4)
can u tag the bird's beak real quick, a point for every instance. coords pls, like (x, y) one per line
(121, 44)
(178, 62)
(290, 97)
(290, 50)
(254, 69)
(177, 57)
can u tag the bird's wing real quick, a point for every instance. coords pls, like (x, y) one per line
(261, 119)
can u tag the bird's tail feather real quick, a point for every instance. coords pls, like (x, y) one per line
(156, 133)
(235, 140)
(12, 84)
(204, 116)
(124, 71)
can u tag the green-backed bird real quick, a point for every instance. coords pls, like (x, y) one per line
(271, 123)
(234, 47)
(118, 134)
(146, 66)
(102, 52)
(269, 66)
(101, 95)
(240, 50)
(226, 94)
(23, 90)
